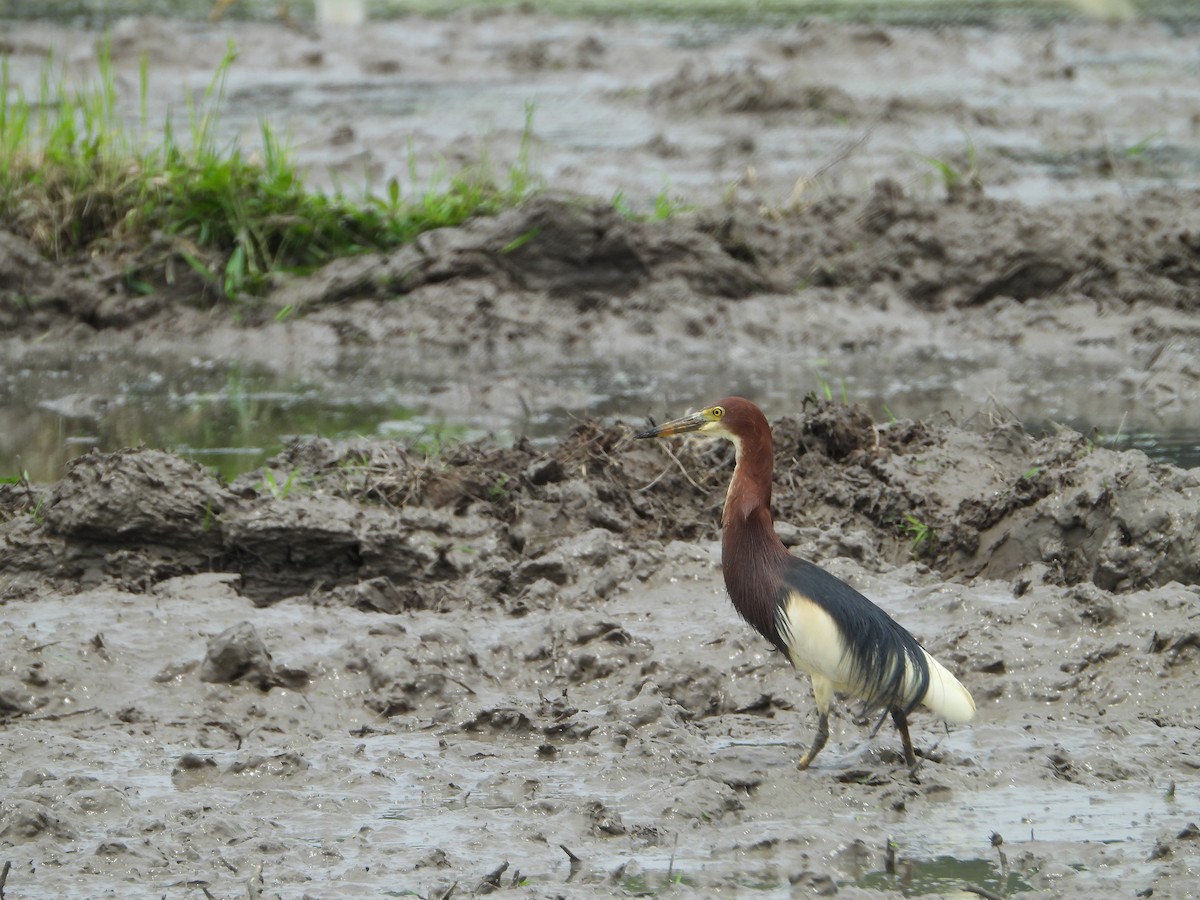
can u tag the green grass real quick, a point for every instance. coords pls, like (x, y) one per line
(76, 177)
(959, 180)
(665, 207)
(270, 485)
(827, 390)
(923, 537)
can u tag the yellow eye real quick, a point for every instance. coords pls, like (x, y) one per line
(717, 411)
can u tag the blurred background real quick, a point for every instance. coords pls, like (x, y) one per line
(666, 111)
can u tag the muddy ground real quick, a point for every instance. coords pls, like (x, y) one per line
(807, 167)
(512, 668)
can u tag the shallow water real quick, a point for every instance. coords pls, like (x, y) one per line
(232, 418)
(1077, 116)
(1026, 816)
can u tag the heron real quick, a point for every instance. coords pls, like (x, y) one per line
(827, 629)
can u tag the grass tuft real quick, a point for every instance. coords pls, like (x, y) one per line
(922, 535)
(75, 178)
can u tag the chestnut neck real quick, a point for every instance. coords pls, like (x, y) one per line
(753, 558)
(750, 487)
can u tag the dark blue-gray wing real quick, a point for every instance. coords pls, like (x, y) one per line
(831, 629)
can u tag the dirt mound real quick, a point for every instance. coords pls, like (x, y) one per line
(37, 293)
(989, 500)
(572, 250)
(558, 250)
(750, 91)
(937, 256)
(374, 526)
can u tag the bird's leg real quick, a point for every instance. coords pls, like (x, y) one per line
(823, 694)
(901, 720)
(818, 742)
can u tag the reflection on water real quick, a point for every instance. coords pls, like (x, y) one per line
(1052, 821)
(231, 427)
(234, 419)
(946, 875)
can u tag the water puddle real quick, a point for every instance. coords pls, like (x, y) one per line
(230, 419)
(353, 113)
(1058, 822)
(233, 418)
(946, 875)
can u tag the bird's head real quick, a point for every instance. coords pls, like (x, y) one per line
(733, 418)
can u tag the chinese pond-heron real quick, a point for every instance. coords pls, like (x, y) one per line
(842, 640)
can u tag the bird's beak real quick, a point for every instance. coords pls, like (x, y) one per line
(694, 422)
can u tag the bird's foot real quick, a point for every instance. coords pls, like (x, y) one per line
(819, 740)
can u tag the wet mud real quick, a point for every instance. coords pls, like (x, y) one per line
(511, 667)
(930, 218)
(515, 669)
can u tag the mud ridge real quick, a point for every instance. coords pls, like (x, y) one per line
(381, 526)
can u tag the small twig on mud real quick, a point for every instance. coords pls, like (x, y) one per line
(4, 876)
(492, 879)
(231, 730)
(571, 856)
(805, 181)
(576, 862)
(254, 884)
(997, 840)
(54, 717)
(981, 891)
(466, 687)
(671, 864)
(664, 472)
(657, 478)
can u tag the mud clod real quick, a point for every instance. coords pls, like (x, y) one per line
(137, 496)
(238, 655)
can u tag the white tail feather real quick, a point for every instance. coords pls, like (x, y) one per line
(946, 696)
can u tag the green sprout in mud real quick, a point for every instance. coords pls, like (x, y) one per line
(272, 486)
(827, 390)
(520, 241)
(621, 204)
(34, 501)
(436, 439)
(959, 180)
(499, 489)
(922, 535)
(1141, 147)
(665, 206)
